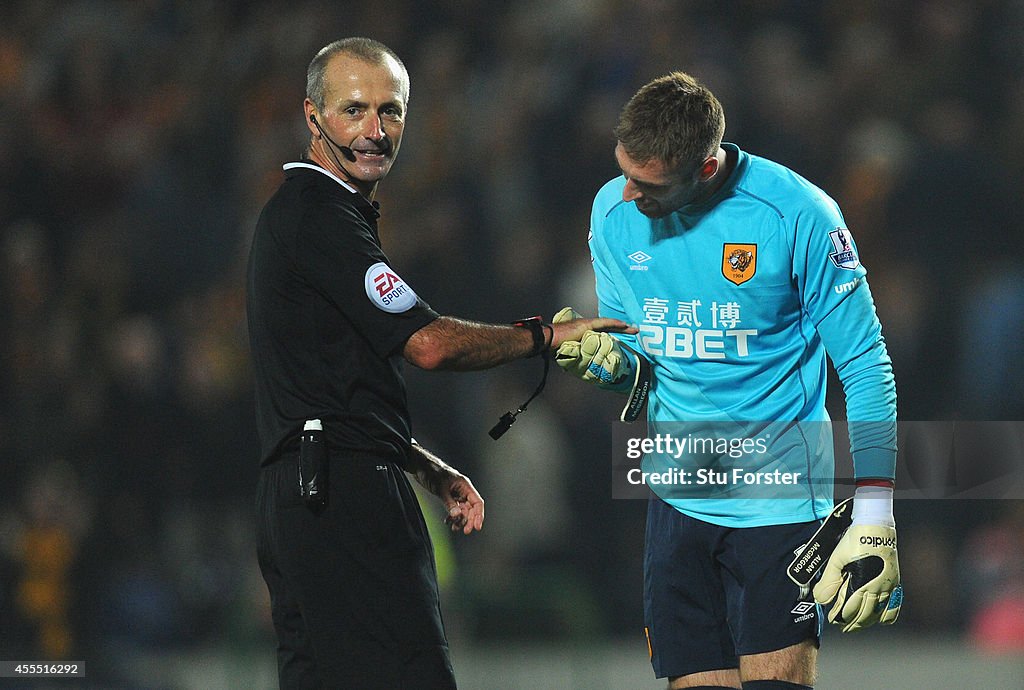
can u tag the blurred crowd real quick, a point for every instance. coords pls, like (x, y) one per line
(140, 138)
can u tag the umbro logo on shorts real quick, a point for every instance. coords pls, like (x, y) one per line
(804, 610)
(803, 607)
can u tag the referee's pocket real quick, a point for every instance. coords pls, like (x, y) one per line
(371, 495)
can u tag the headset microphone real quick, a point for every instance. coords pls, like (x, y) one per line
(345, 151)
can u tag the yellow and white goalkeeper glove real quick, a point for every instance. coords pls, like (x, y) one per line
(862, 577)
(595, 358)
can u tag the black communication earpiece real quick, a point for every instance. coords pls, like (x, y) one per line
(345, 151)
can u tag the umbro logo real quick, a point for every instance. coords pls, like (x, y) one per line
(802, 608)
(639, 258)
(803, 611)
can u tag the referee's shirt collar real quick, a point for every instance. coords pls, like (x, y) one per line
(372, 207)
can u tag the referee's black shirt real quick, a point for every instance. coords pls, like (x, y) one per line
(327, 319)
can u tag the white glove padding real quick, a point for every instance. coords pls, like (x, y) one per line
(863, 578)
(595, 358)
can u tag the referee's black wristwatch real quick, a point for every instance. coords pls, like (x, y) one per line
(543, 333)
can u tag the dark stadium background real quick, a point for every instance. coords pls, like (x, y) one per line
(138, 141)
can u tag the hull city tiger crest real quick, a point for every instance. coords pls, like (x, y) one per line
(739, 262)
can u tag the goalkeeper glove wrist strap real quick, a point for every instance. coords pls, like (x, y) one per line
(872, 505)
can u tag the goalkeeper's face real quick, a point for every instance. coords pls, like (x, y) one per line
(657, 189)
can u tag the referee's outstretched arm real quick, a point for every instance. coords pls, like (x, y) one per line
(448, 343)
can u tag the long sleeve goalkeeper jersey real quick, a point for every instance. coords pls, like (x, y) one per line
(738, 300)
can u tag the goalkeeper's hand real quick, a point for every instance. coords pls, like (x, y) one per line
(862, 579)
(595, 357)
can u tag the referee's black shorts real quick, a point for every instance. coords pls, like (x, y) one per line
(353, 590)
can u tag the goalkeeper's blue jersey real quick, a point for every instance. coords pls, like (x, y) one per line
(738, 299)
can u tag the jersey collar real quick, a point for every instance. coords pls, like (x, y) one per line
(373, 208)
(739, 169)
(314, 166)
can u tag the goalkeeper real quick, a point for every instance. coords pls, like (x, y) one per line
(741, 276)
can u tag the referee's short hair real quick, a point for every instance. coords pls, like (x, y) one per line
(365, 49)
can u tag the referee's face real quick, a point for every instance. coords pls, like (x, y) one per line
(365, 111)
(656, 189)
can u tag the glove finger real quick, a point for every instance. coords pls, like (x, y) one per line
(612, 362)
(589, 344)
(835, 613)
(829, 584)
(565, 314)
(594, 349)
(568, 358)
(892, 606)
(593, 344)
(614, 367)
(861, 612)
(609, 364)
(567, 352)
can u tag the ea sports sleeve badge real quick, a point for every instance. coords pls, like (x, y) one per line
(387, 291)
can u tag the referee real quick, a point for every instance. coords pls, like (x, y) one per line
(342, 542)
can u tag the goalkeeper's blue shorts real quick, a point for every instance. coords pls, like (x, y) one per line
(714, 593)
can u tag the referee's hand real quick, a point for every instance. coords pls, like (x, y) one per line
(463, 502)
(575, 328)
(461, 499)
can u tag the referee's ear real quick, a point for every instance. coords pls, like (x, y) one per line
(310, 109)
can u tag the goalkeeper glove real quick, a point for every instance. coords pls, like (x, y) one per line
(862, 578)
(595, 358)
